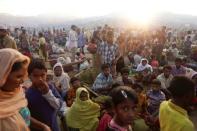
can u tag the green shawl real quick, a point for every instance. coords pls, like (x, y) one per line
(83, 114)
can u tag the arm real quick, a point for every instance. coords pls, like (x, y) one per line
(39, 125)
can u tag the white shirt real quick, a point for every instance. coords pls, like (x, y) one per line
(165, 82)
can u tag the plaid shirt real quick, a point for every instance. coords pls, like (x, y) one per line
(108, 52)
(102, 81)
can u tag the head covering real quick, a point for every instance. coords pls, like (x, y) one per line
(63, 79)
(64, 61)
(7, 59)
(87, 113)
(11, 102)
(142, 67)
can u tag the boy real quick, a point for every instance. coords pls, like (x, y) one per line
(154, 97)
(103, 81)
(43, 99)
(124, 79)
(173, 113)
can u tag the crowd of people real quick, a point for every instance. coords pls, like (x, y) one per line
(146, 79)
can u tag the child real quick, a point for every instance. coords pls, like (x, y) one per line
(83, 114)
(173, 114)
(154, 97)
(107, 116)
(154, 62)
(124, 101)
(61, 79)
(141, 107)
(43, 99)
(71, 94)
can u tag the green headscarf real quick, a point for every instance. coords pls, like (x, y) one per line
(83, 114)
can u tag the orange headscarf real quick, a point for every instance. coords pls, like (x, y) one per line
(11, 102)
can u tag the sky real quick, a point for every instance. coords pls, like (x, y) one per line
(142, 10)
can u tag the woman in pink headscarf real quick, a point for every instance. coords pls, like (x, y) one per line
(14, 114)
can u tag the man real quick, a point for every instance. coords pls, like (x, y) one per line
(5, 40)
(178, 69)
(109, 52)
(173, 113)
(166, 77)
(103, 81)
(72, 40)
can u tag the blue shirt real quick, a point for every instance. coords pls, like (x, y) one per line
(102, 81)
(40, 108)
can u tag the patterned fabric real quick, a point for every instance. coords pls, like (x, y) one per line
(178, 72)
(25, 113)
(108, 52)
(102, 81)
(154, 100)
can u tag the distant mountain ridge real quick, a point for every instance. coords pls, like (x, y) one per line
(115, 19)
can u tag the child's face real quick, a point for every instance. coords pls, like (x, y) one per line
(155, 87)
(83, 96)
(76, 84)
(37, 75)
(106, 71)
(58, 71)
(124, 112)
(125, 75)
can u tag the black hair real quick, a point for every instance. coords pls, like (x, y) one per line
(178, 60)
(181, 85)
(122, 93)
(138, 86)
(156, 82)
(167, 67)
(17, 65)
(36, 64)
(108, 103)
(104, 66)
(124, 70)
(73, 79)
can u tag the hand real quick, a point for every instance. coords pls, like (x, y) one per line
(46, 128)
(43, 87)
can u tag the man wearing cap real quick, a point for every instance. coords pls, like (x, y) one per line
(5, 40)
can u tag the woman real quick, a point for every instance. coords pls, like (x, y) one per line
(13, 69)
(14, 114)
(83, 114)
(61, 79)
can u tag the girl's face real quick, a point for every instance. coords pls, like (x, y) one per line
(124, 113)
(83, 96)
(58, 71)
(144, 62)
(15, 79)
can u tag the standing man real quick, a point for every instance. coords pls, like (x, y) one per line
(72, 40)
(5, 40)
(109, 52)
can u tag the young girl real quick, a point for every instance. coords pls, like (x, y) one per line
(61, 79)
(124, 101)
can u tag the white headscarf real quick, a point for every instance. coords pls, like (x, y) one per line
(140, 67)
(63, 79)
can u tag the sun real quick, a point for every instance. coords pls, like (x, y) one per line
(140, 12)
